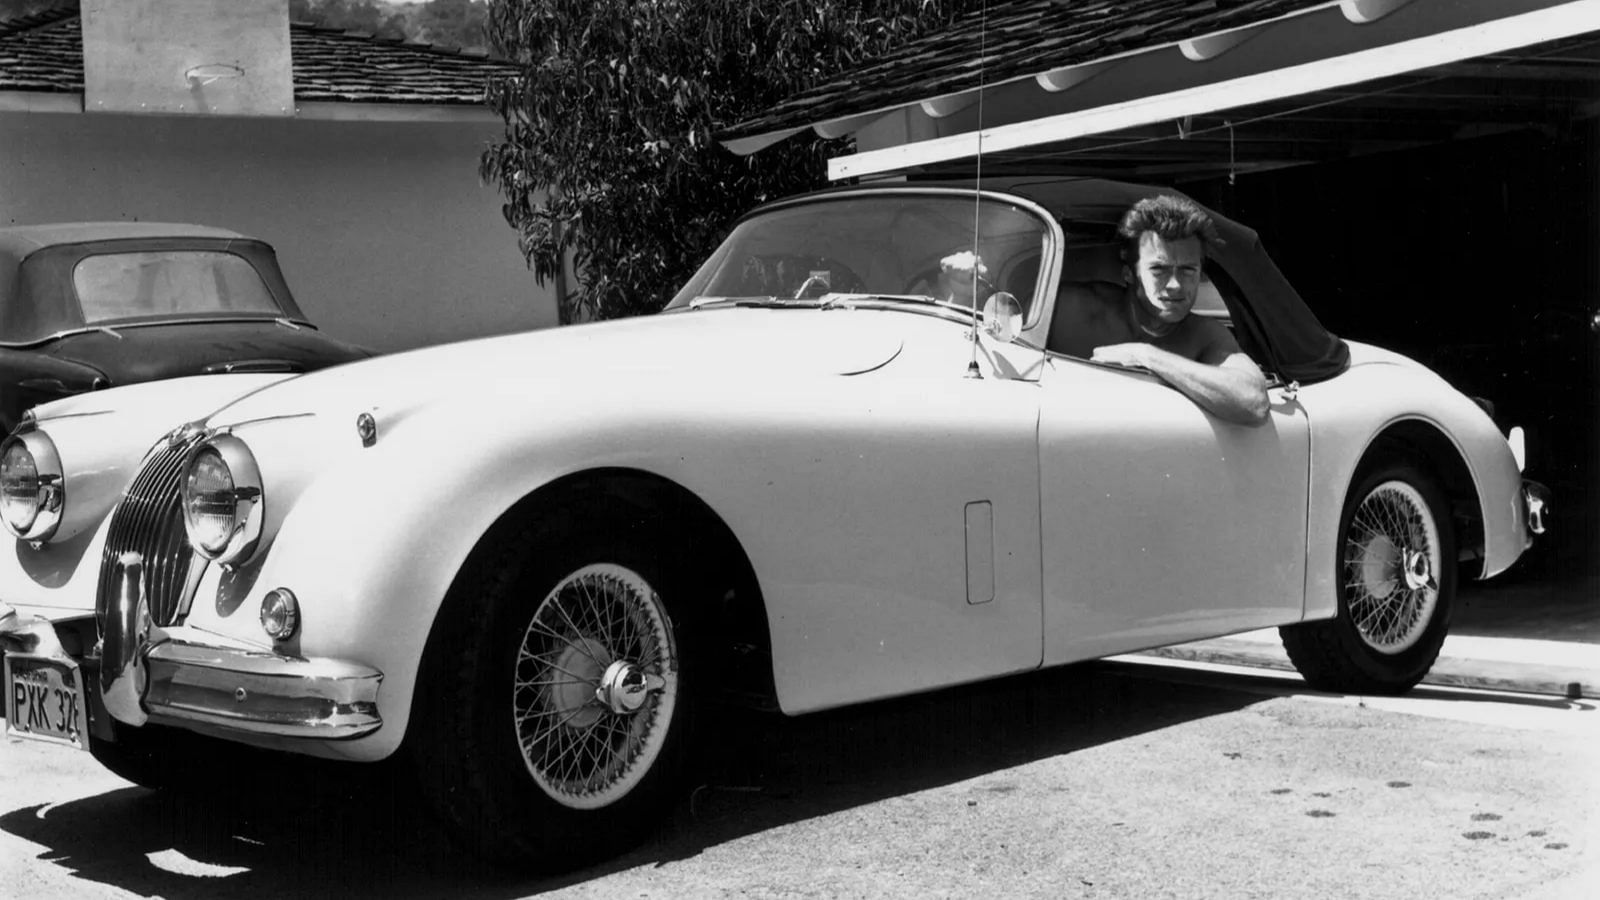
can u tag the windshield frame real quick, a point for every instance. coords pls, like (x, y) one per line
(1050, 253)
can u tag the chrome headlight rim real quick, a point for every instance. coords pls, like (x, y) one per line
(247, 499)
(51, 481)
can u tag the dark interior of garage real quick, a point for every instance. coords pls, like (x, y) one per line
(1450, 213)
(1478, 257)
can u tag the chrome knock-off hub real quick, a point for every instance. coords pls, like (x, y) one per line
(624, 687)
(1418, 571)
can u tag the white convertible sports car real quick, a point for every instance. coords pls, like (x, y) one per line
(522, 563)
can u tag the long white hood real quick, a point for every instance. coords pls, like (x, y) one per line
(675, 348)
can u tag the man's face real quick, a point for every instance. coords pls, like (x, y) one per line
(1167, 276)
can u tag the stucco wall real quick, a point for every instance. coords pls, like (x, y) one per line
(383, 229)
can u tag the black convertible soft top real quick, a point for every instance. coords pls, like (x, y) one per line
(1274, 326)
(37, 298)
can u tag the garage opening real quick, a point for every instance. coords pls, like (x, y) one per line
(1444, 202)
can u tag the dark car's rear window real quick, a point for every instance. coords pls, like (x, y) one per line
(143, 283)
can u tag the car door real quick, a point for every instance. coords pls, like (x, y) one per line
(1159, 522)
(892, 517)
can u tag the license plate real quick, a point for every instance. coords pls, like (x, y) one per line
(45, 701)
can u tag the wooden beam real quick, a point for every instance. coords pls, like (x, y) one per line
(1211, 46)
(1362, 12)
(834, 128)
(939, 107)
(1066, 78)
(1455, 45)
(1528, 71)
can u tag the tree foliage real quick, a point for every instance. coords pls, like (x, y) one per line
(447, 23)
(16, 9)
(451, 23)
(607, 152)
(381, 19)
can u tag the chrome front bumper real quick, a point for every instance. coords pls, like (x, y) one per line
(260, 692)
(180, 675)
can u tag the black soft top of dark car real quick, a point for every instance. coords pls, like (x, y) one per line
(1270, 320)
(37, 298)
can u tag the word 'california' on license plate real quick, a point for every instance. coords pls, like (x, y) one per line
(44, 700)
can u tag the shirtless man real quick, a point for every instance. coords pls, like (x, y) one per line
(1149, 325)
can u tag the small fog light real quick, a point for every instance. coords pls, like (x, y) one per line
(280, 614)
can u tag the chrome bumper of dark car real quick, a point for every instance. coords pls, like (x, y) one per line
(1536, 506)
(181, 675)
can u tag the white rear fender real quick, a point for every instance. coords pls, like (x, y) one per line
(1350, 414)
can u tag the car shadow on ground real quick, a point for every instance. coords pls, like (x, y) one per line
(355, 831)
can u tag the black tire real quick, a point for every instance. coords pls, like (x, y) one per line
(142, 758)
(552, 808)
(163, 758)
(1388, 629)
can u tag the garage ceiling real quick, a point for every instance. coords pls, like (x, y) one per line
(1173, 90)
(1549, 87)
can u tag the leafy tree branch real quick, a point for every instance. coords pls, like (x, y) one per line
(607, 153)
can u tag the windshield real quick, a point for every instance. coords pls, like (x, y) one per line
(881, 244)
(114, 286)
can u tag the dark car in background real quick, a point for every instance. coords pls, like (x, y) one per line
(89, 305)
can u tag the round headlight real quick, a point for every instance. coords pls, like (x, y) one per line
(32, 491)
(222, 499)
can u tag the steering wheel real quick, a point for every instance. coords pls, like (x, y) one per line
(814, 281)
(838, 280)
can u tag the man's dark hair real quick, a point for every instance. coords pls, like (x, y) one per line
(1170, 217)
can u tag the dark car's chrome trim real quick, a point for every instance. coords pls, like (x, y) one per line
(1536, 506)
(258, 366)
(22, 632)
(113, 326)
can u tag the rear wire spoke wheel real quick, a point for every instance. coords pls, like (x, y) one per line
(1391, 561)
(554, 706)
(1396, 579)
(596, 685)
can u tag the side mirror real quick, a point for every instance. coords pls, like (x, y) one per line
(1002, 317)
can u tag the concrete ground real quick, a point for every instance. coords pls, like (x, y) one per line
(1534, 631)
(1105, 780)
(1547, 608)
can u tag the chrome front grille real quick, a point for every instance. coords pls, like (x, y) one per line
(149, 521)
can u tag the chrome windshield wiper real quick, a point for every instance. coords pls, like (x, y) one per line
(705, 302)
(835, 301)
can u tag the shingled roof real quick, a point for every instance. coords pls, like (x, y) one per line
(44, 52)
(1019, 39)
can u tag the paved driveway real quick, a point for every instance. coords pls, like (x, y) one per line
(1103, 780)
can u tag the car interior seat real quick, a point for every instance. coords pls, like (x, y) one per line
(1092, 280)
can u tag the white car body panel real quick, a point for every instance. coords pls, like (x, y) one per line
(909, 526)
(1347, 413)
(783, 462)
(101, 438)
(1161, 523)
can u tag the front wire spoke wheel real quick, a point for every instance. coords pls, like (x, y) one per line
(1391, 565)
(596, 686)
